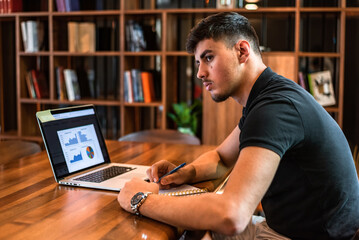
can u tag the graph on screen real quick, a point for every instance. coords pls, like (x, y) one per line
(80, 147)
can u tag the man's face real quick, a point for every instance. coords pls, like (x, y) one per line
(218, 68)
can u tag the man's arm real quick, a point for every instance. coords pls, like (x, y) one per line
(210, 165)
(227, 213)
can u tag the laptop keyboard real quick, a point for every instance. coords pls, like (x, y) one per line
(104, 174)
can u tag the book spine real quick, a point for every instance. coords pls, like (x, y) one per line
(138, 82)
(30, 85)
(69, 87)
(60, 5)
(72, 28)
(24, 36)
(1, 6)
(148, 88)
(128, 79)
(14, 6)
(36, 84)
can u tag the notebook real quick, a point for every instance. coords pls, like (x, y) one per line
(77, 150)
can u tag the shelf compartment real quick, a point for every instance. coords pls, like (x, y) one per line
(143, 32)
(98, 76)
(308, 65)
(34, 77)
(34, 32)
(324, 40)
(103, 30)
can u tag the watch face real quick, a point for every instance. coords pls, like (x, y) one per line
(137, 198)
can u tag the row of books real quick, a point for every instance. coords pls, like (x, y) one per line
(68, 87)
(141, 86)
(67, 5)
(81, 36)
(37, 84)
(33, 35)
(320, 85)
(9, 6)
(80, 5)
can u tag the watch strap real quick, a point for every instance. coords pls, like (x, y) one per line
(136, 208)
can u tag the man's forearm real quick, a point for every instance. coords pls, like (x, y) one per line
(208, 166)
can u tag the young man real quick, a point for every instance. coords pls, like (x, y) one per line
(286, 152)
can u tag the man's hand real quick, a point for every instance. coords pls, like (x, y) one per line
(157, 170)
(131, 188)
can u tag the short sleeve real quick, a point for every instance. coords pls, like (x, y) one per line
(274, 124)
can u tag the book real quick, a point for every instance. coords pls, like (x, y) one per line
(24, 36)
(72, 29)
(301, 80)
(86, 34)
(14, 5)
(61, 85)
(81, 37)
(60, 4)
(40, 84)
(2, 6)
(32, 42)
(128, 90)
(30, 85)
(72, 5)
(72, 85)
(32, 33)
(148, 87)
(182, 190)
(321, 87)
(137, 85)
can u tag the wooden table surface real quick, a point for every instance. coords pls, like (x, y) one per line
(34, 206)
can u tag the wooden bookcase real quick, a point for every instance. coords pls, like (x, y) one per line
(172, 24)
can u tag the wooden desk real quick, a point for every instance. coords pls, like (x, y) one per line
(34, 206)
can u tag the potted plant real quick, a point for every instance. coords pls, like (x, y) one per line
(186, 116)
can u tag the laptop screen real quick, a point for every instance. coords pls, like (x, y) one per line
(73, 139)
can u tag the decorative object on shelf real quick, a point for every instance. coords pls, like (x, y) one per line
(186, 116)
(321, 87)
(225, 4)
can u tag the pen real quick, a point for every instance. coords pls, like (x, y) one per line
(172, 171)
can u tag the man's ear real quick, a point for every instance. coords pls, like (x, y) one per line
(243, 48)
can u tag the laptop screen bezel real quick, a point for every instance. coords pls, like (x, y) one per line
(99, 135)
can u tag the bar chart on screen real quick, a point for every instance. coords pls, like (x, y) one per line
(80, 147)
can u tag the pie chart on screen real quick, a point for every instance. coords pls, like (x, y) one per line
(90, 153)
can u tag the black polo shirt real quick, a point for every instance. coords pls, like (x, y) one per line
(315, 191)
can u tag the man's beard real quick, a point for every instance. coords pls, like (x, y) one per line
(219, 98)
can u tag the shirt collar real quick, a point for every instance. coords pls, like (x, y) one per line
(260, 83)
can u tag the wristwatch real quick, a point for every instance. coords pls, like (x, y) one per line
(137, 200)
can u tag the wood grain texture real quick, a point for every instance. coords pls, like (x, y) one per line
(34, 206)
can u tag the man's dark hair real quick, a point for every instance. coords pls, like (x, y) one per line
(226, 26)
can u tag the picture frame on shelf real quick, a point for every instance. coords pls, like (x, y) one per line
(321, 87)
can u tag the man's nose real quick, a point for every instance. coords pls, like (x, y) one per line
(201, 73)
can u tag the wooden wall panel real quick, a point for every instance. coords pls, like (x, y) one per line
(219, 119)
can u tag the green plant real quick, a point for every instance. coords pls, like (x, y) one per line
(186, 116)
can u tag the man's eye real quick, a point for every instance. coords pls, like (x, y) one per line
(209, 58)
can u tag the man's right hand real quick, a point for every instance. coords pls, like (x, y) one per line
(157, 170)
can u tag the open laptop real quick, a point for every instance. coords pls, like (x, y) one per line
(77, 150)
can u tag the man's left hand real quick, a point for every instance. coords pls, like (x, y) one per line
(131, 188)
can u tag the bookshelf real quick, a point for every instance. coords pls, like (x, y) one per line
(287, 54)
